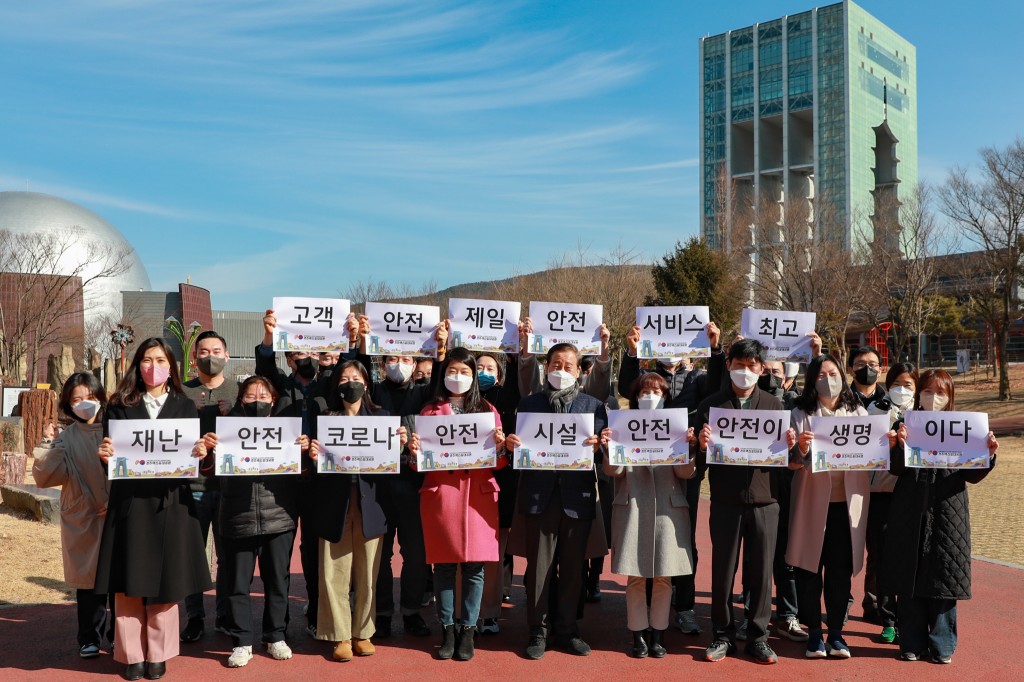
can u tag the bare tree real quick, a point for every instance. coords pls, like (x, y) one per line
(989, 208)
(47, 275)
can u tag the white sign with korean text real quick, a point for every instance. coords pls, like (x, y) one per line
(673, 331)
(358, 445)
(554, 442)
(311, 324)
(456, 441)
(575, 323)
(402, 329)
(484, 325)
(648, 437)
(783, 333)
(153, 448)
(11, 394)
(748, 437)
(947, 440)
(850, 443)
(258, 446)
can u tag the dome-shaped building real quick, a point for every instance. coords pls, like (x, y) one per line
(32, 213)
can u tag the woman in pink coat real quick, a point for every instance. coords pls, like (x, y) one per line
(827, 515)
(460, 510)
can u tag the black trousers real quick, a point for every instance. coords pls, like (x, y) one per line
(833, 577)
(555, 549)
(401, 503)
(782, 573)
(274, 554)
(685, 589)
(207, 504)
(92, 617)
(756, 528)
(309, 549)
(881, 605)
(596, 566)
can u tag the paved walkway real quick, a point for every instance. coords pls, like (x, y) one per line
(37, 643)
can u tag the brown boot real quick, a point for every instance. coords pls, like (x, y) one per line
(363, 647)
(343, 651)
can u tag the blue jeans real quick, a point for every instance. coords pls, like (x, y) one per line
(472, 591)
(927, 624)
(207, 504)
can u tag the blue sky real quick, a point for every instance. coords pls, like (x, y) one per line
(289, 148)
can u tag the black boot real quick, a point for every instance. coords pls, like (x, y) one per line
(464, 651)
(639, 645)
(447, 643)
(655, 641)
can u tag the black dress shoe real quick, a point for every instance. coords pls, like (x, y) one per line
(134, 671)
(154, 671)
(383, 624)
(415, 625)
(193, 631)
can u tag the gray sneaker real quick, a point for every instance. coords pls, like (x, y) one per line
(790, 629)
(686, 622)
(741, 631)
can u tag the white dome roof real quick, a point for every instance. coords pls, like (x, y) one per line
(35, 213)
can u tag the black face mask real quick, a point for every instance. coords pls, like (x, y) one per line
(769, 382)
(306, 367)
(211, 365)
(351, 391)
(866, 376)
(257, 409)
(423, 381)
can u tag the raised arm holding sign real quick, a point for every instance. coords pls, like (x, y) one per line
(311, 324)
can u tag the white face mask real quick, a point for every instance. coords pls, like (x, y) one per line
(560, 380)
(743, 378)
(457, 384)
(398, 372)
(86, 409)
(933, 402)
(669, 362)
(901, 396)
(651, 401)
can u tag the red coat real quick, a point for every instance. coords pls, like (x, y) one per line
(460, 509)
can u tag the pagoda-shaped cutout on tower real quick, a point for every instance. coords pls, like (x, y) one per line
(885, 218)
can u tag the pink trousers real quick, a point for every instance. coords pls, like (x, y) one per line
(144, 633)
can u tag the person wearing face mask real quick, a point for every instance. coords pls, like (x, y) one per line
(650, 529)
(557, 525)
(864, 365)
(70, 462)
(212, 396)
(424, 370)
(298, 393)
(595, 382)
(900, 384)
(493, 369)
(828, 514)
(144, 518)
(257, 517)
(744, 509)
(792, 370)
(460, 511)
(927, 558)
(687, 386)
(399, 495)
(350, 526)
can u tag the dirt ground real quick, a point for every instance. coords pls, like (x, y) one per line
(31, 569)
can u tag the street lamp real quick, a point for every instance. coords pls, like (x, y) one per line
(186, 337)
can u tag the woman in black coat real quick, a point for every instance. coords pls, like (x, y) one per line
(152, 553)
(927, 558)
(258, 516)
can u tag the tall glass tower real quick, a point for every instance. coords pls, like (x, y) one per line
(818, 106)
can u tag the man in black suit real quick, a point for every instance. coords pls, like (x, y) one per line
(559, 508)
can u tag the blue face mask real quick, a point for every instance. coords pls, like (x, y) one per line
(486, 380)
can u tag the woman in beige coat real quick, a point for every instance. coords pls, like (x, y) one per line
(71, 463)
(650, 529)
(827, 515)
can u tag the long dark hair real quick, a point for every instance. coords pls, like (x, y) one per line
(808, 400)
(941, 378)
(131, 388)
(474, 402)
(89, 380)
(334, 401)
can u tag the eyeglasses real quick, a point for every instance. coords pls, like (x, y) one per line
(862, 365)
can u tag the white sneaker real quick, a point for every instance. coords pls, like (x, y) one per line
(240, 655)
(790, 629)
(279, 650)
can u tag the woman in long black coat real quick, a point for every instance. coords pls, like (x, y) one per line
(152, 553)
(927, 557)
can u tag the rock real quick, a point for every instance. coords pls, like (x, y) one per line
(44, 503)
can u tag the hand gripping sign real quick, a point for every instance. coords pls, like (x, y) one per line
(153, 448)
(315, 325)
(748, 437)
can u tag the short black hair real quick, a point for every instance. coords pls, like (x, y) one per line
(747, 349)
(561, 348)
(89, 380)
(858, 351)
(210, 334)
(587, 363)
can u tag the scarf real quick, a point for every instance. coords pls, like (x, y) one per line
(560, 400)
